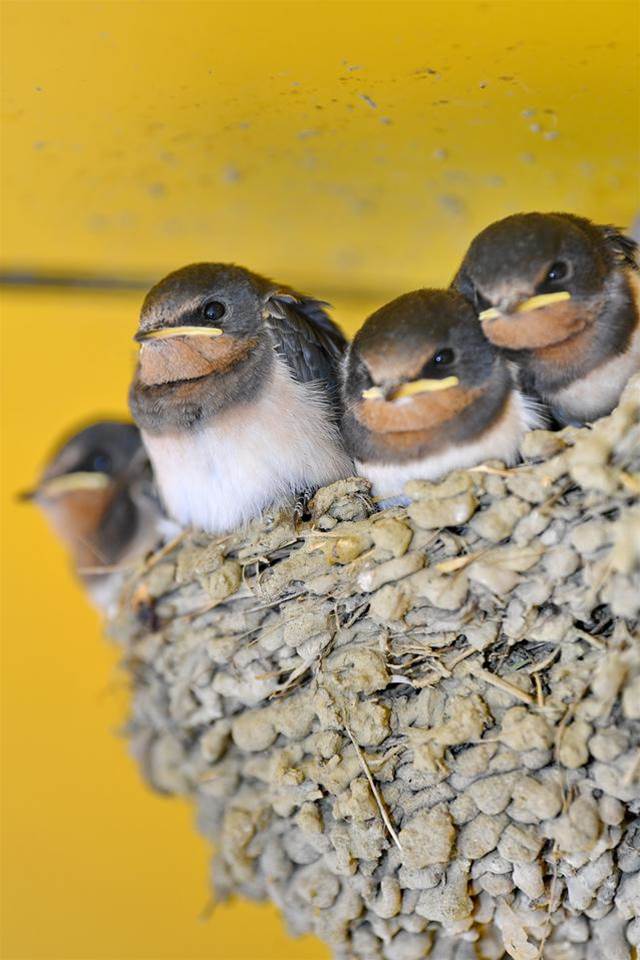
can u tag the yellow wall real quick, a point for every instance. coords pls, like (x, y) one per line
(139, 136)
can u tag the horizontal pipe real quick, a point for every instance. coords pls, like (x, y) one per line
(33, 278)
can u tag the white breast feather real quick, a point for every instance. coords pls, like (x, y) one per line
(596, 394)
(224, 474)
(501, 442)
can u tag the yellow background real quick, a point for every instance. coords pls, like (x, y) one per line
(350, 148)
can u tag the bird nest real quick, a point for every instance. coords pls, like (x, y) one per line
(417, 731)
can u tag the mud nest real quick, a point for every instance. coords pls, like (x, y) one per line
(417, 731)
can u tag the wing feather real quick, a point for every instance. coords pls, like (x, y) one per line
(306, 337)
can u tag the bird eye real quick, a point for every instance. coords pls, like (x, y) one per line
(439, 363)
(365, 380)
(557, 271)
(481, 301)
(213, 310)
(444, 358)
(99, 462)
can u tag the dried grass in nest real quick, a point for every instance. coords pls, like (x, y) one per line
(416, 731)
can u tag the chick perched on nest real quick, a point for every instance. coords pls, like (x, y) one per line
(561, 296)
(425, 393)
(416, 730)
(97, 493)
(235, 394)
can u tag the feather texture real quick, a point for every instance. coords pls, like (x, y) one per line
(249, 457)
(625, 248)
(306, 338)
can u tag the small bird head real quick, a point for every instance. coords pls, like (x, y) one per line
(417, 365)
(203, 343)
(207, 300)
(81, 491)
(537, 279)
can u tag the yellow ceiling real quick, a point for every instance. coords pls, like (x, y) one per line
(350, 148)
(347, 146)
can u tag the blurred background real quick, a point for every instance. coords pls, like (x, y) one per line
(349, 149)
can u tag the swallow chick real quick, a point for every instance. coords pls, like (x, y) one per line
(561, 296)
(97, 495)
(425, 393)
(236, 394)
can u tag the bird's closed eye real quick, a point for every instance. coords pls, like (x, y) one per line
(365, 380)
(469, 289)
(481, 301)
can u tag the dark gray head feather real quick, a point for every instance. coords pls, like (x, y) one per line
(275, 320)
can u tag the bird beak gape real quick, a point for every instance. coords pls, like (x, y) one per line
(166, 333)
(410, 389)
(532, 303)
(69, 483)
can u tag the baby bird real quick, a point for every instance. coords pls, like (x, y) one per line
(96, 493)
(561, 296)
(235, 394)
(425, 393)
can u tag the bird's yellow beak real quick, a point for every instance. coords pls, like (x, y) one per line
(411, 388)
(533, 303)
(165, 333)
(72, 483)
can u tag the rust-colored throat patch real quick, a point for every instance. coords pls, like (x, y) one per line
(187, 357)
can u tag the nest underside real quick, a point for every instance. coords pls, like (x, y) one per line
(417, 730)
